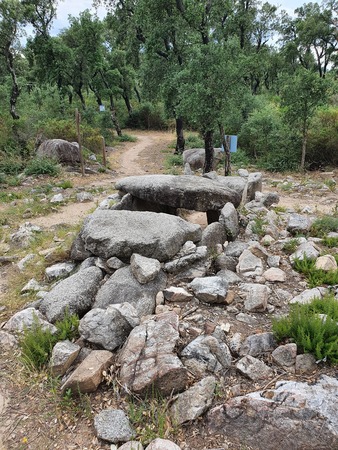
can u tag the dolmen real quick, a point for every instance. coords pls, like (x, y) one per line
(168, 193)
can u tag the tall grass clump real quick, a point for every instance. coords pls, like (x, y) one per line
(313, 327)
(37, 342)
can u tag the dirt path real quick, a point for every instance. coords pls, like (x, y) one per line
(135, 158)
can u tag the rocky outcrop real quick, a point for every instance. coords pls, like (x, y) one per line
(295, 415)
(122, 233)
(74, 295)
(178, 191)
(62, 151)
(148, 360)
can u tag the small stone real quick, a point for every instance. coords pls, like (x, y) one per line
(177, 294)
(305, 363)
(7, 340)
(308, 295)
(131, 445)
(285, 356)
(274, 274)
(144, 269)
(253, 368)
(112, 425)
(31, 286)
(258, 344)
(159, 298)
(57, 198)
(326, 263)
(60, 270)
(115, 263)
(162, 444)
(273, 261)
(24, 261)
(63, 355)
(88, 376)
(84, 197)
(210, 289)
(267, 240)
(246, 318)
(256, 298)
(307, 250)
(249, 265)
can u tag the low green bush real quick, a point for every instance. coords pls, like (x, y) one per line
(37, 343)
(194, 141)
(42, 166)
(330, 242)
(148, 117)
(321, 227)
(125, 138)
(311, 332)
(315, 277)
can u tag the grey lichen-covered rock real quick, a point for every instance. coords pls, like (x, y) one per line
(298, 224)
(113, 425)
(206, 354)
(144, 269)
(123, 287)
(162, 444)
(109, 327)
(255, 182)
(236, 248)
(285, 356)
(308, 250)
(59, 270)
(28, 318)
(213, 235)
(253, 368)
(194, 402)
(78, 251)
(122, 233)
(308, 295)
(63, 355)
(148, 361)
(7, 340)
(229, 276)
(24, 236)
(180, 191)
(295, 415)
(195, 157)
(249, 265)
(229, 220)
(305, 363)
(210, 289)
(185, 261)
(57, 198)
(31, 286)
(63, 151)
(257, 344)
(74, 295)
(256, 297)
(84, 197)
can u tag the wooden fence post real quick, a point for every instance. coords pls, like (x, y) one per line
(78, 121)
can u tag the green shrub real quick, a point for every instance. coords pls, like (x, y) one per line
(311, 332)
(291, 246)
(42, 166)
(315, 277)
(149, 417)
(173, 161)
(194, 141)
(323, 138)
(324, 225)
(148, 117)
(66, 184)
(37, 343)
(240, 158)
(125, 138)
(11, 165)
(330, 242)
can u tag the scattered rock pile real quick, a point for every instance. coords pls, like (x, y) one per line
(180, 309)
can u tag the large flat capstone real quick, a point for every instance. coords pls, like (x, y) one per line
(122, 233)
(181, 191)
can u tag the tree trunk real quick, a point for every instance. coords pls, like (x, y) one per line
(304, 143)
(180, 142)
(209, 152)
(227, 155)
(137, 94)
(114, 116)
(15, 91)
(128, 105)
(83, 102)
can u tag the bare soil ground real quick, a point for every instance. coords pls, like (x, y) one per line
(32, 414)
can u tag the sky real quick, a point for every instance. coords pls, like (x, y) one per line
(74, 7)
